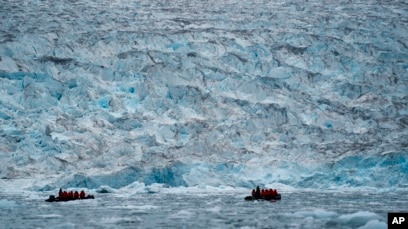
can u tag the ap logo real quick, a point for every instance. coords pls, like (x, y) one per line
(397, 220)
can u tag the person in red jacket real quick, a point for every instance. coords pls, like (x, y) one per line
(269, 193)
(76, 195)
(64, 195)
(82, 194)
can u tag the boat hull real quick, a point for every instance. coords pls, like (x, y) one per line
(252, 198)
(56, 199)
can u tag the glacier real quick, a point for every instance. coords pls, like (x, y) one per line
(204, 93)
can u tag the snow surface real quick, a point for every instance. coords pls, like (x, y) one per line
(204, 93)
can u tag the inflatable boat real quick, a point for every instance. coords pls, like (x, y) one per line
(276, 197)
(52, 198)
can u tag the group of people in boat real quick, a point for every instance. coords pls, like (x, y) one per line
(264, 193)
(71, 195)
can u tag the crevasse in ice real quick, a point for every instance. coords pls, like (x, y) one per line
(213, 93)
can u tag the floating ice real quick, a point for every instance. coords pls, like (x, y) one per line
(316, 213)
(358, 219)
(374, 224)
(4, 204)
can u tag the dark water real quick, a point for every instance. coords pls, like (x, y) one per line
(165, 210)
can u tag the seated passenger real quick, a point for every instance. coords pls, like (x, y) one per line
(64, 195)
(82, 194)
(269, 193)
(76, 195)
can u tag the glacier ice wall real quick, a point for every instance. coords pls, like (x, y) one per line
(307, 94)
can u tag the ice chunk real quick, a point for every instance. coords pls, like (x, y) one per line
(4, 204)
(374, 224)
(358, 219)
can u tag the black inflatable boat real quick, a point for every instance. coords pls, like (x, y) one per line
(52, 198)
(276, 197)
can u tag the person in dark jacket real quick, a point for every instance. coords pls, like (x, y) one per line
(60, 194)
(258, 192)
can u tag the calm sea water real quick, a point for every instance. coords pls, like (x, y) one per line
(164, 210)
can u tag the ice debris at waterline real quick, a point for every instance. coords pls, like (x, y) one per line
(213, 93)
